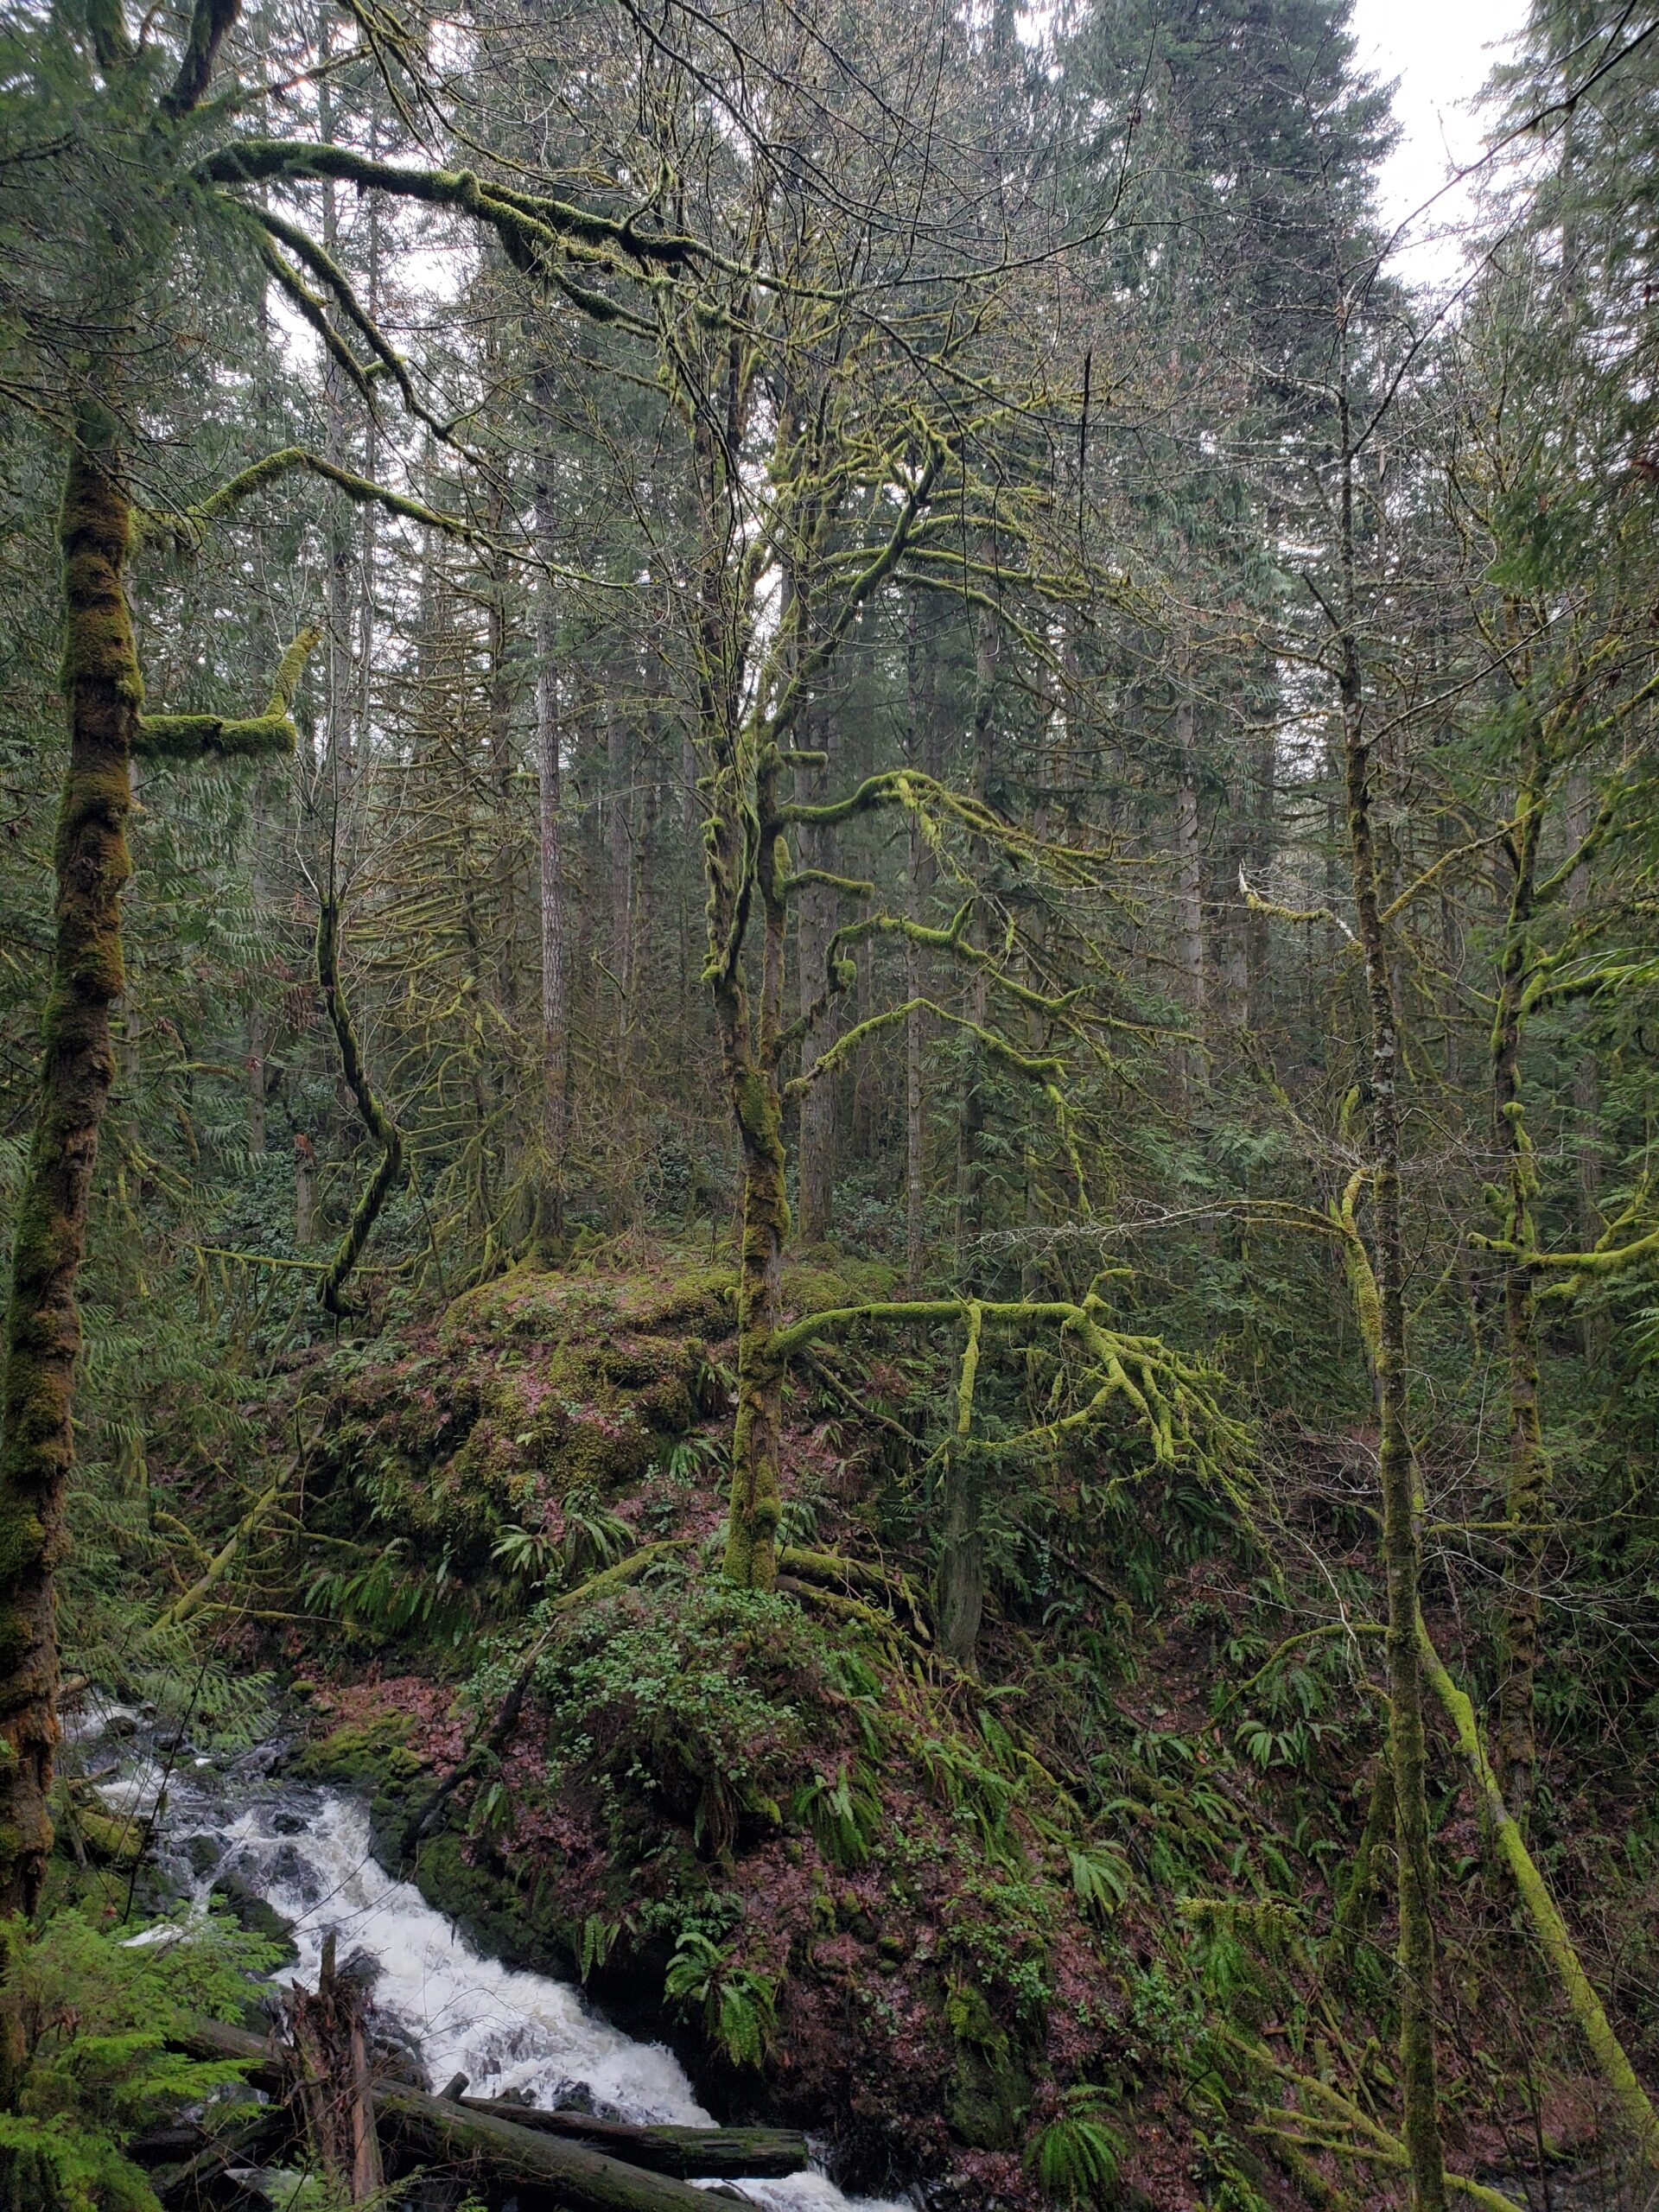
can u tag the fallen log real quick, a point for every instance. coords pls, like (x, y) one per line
(547, 2172)
(689, 2153)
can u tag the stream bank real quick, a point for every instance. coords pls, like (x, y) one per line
(243, 1830)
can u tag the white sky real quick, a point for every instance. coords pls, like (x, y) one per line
(1440, 51)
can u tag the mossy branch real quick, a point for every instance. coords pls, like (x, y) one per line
(195, 737)
(191, 527)
(190, 1600)
(1257, 905)
(930, 797)
(1541, 1910)
(1046, 1071)
(1173, 1400)
(537, 231)
(377, 1121)
(953, 941)
(1603, 1260)
(1368, 2138)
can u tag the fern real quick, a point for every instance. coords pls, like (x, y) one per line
(1076, 2157)
(739, 2004)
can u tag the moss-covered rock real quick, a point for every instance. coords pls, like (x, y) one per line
(531, 1388)
(990, 2087)
(371, 1753)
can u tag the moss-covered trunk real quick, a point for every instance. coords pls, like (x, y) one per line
(962, 1561)
(102, 692)
(1396, 1472)
(749, 1048)
(1528, 1486)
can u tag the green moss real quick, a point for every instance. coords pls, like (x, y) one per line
(545, 1385)
(823, 1281)
(523, 1931)
(990, 2087)
(368, 1750)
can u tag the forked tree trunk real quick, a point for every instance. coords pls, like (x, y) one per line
(104, 691)
(748, 1056)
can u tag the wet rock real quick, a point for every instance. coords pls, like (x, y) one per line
(395, 2052)
(256, 1914)
(201, 1853)
(361, 1966)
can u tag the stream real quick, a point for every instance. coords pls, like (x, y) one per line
(306, 1850)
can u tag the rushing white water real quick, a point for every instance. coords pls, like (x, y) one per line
(307, 1851)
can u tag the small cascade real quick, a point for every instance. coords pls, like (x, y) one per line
(306, 1850)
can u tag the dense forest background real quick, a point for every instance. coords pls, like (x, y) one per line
(956, 773)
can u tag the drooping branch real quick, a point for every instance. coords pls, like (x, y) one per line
(1174, 1399)
(195, 737)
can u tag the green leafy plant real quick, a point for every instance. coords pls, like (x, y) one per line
(687, 1456)
(1100, 1879)
(1076, 2159)
(739, 2004)
(843, 1812)
(88, 2011)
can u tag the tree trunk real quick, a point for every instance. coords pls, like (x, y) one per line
(920, 726)
(1395, 1465)
(305, 1191)
(257, 1082)
(751, 1073)
(962, 1562)
(687, 2154)
(619, 761)
(971, 1148)
(104, 690)
(555, 953)
(815, 922)
(1189, 888)
(1528, 1482)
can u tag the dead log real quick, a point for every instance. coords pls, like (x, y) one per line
(546, 2171)
(689, 2153)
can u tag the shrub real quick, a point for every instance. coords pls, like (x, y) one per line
(86, 2013)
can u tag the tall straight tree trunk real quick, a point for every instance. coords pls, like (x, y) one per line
(921, 729)
(556, 950)
(618, 845)
(104, 691)
(970, 1145)
(1264, 773)
(1527, 1488)
(1189, 886)
(815, 921)
(1401, 1559)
